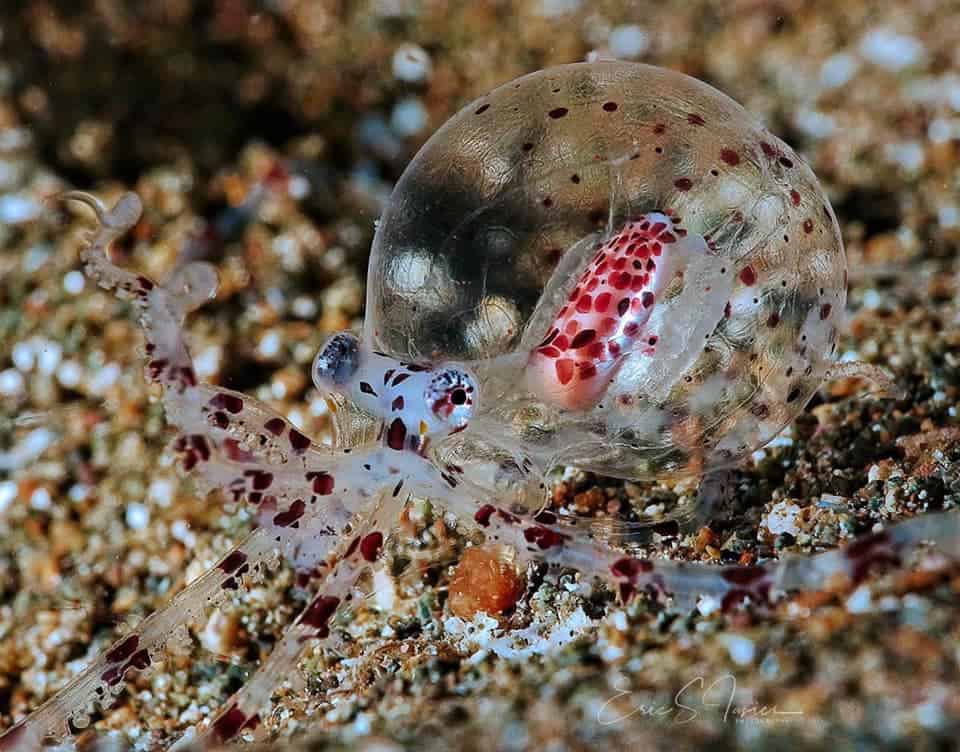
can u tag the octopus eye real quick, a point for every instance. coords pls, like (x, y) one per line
(337, 361)
(451, 396)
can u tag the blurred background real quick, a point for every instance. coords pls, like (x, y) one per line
(265, 136)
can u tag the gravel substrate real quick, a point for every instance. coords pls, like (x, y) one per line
(192, 104)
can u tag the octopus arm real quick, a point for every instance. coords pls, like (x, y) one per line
(99, 682)
(354, 555)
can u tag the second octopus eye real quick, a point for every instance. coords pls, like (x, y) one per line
(337, 361)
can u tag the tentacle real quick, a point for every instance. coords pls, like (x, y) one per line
(228, 439)
(546, 537)
(161, 308)
(356, 554)
(879, 375)
(145, 644)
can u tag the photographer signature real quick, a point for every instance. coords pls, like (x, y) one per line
(694, 698)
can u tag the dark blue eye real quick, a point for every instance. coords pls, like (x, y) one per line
(337, 360)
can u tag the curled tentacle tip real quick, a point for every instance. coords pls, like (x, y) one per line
(194, 284)
(886, 382)
(124, 214)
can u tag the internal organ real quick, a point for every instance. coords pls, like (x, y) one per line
(606, 315)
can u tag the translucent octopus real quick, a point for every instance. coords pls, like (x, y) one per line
(603, 265)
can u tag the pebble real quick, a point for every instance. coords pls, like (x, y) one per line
(890, 50)
(411, 63)
(409, 117)
(628, 42)
(137, 516)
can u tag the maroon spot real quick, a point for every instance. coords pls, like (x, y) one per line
(869, 551)
(229, 724)
(865, 544)
(298, 442)
(365, 388)
(220, 419)
(786, 162)
(546, 518)
(124, 650)
(773, 320)
(727, 310)
(397, 404)
(319, 612)
(659, 129)
(188, 376)
(620, 280)
(400, 378)
(825, 311)
(647, 299)
(808, 226)
(387, 374)
(275, 426)
(630, 568)
(482, 516)
(549, 352)
(233, 450)
(228, 402)
(527, 146)
(683, 184)
(139, 660)
(156, 367)
(743, 575)
(610, 106)
(199, 443)
(547, 202)
(322, 482)
(232, 563)
(730, 157)
(793, 395)
(760, 410)
(748, 276)
(583, 339)
(260, 479)
(767, 149)
(396, 434)
(694, 119)
(13, 737)
(294, 513)
(623, 306)
(370, 546)
(795, 197)
(113, 675)
(558, 112)
(145, 284)
(574, 179)
(481, 109)
(543, 537)
(587, 370)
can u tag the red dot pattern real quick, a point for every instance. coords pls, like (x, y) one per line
(605, 314)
